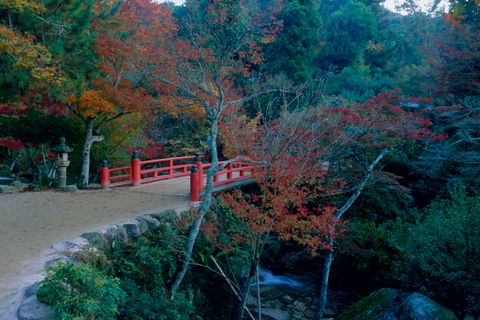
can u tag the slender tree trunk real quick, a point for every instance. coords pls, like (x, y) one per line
(90, 139)
(204, 206)
(10, 23)
(246, 291)
(328, 262)
(259, 298)
(231, 285)
(253, 271)
(322, 303)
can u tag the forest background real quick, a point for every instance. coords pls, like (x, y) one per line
(116, 76)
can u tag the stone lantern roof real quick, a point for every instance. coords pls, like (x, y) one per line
(62, 147)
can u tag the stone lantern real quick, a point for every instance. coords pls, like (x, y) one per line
(62, 163)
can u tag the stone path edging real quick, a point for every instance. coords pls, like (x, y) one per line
(102, 239)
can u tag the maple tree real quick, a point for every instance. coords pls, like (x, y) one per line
(216, 44)
(309, 158)
(123, 40)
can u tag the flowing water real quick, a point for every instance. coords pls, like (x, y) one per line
(267, 278)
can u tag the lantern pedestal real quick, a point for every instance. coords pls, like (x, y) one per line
(62, 163)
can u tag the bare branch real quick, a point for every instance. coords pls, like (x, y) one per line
(362, 185)
(230, 284)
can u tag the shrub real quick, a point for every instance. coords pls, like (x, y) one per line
(442, 252)
(81, 292)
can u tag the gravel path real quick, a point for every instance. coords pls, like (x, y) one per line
(31, 222)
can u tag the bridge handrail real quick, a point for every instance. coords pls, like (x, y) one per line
(171, 170)
(160, 169)
(234, 171)
(138, 172)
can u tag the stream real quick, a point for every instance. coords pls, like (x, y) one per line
(286, 297)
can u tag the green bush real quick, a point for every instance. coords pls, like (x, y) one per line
(81, 292)
(442, 252)
(145, 267)
(131, 281)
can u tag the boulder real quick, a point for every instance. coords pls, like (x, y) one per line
(96, 240)
(7, 189)
(419, 307)
(13, 186)
(32, 309)
(164, 215)
(69, 188)
(151, 222)
(76, 245)
(275, 314)
(392, 304)
(132, 229)
(20, 185)
(142, 225)
(115, 234)
(60, 259)
(92, 186)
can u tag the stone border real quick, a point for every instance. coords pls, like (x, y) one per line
(102, 239)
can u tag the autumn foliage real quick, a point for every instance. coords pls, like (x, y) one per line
(311, 156)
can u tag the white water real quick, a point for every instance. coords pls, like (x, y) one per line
(267, 278)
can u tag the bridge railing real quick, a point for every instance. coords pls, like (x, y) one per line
(144, 171)
(234, 171)
(118, 176)
(161, 169)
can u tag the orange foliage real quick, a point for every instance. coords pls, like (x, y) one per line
(28, 55)
(91, 104)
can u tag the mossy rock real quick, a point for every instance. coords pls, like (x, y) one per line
(377, 305)
(391, 304)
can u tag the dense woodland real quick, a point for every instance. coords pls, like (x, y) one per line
(366, 123)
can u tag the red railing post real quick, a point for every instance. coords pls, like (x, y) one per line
(135, 169)
(170, 167)
(197, 161)
(229, 171)
(195, 183)
(104, 174)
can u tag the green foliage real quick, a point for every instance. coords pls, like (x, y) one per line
(127, 283)
(179, 135)
(37, 128)
(218, 240)
(70, 39)
(442, 252)
(145, 267)
(80, 292)
(358, 84)
(367, 254)
(347, 34)
(295, 48)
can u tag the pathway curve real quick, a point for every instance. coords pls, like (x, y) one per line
(31, 222)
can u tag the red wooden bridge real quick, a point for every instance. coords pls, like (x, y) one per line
(140, 172)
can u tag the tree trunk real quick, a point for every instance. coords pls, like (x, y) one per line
(10, 23)
(324, 288)
(259, 298)
(246, 291)
(90, 139)
(204, 206)
(328, 263)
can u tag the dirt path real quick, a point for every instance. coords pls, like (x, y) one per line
(31, 222)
